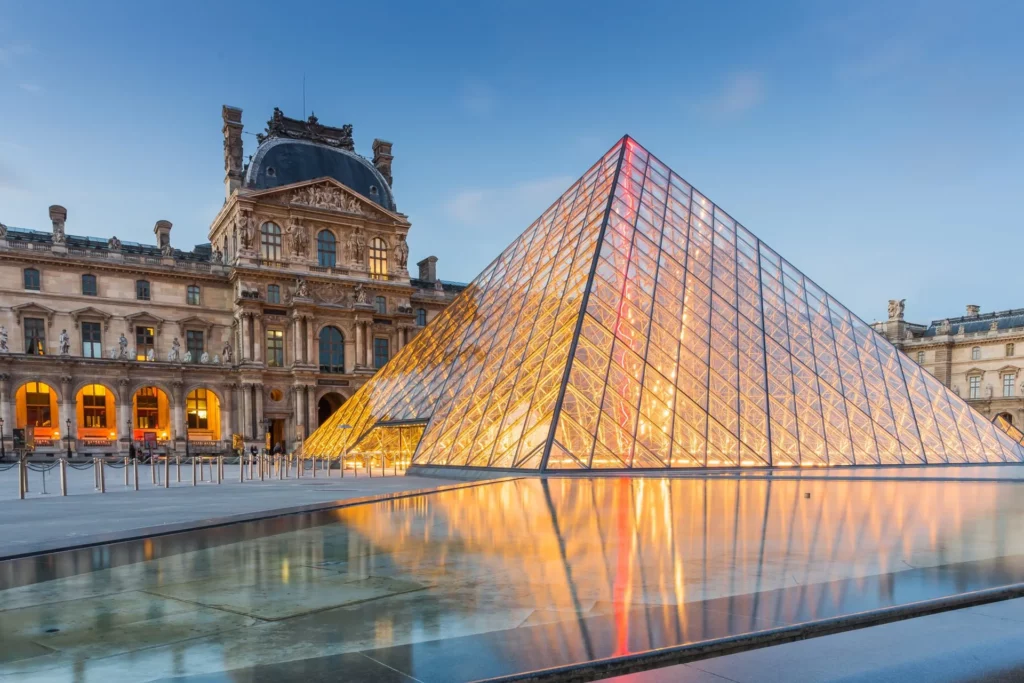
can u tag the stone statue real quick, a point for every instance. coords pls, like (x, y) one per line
(944, 327)
(401, 253)
(113, 353)
(896, 309)
(299, 238)
(993, 326)
(218, 256)
(3, 339)
(64, 343)
(150, 355)
(166, 250)
(360, 295)
(3, 231)
(174, 355)
(438, 287)
(122, 347)
(226, 352)
(114, 244)
(216, 359)
(205, 358)
(245, 224)
(188, 357)
(356, 246)
(301, 288)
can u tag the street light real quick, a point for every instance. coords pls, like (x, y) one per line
(67, 437)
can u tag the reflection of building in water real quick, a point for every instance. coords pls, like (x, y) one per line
(636, 325)
(302, 292)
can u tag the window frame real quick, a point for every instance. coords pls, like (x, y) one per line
(271, 239)
(195, 401)
(421, 317)
(35, 345)
(326, 249)
(334, 351)
(381, 352)
(191, 335)
(974, 386)
(90, 278)
(920, 357)
(39, 406)
(1010, 348)
(142, 348)
(147, 408)
(92, 348)
(380, 303)
(143, 290)
(1009, 380)
(378, 259)
(94, 412)
(275, 346)
(276, 297)
(193, 295)
(32, 280)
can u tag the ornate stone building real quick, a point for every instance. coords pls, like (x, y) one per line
(301, 293)
(978, 355)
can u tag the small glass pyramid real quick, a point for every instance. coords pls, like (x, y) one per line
(636, 325)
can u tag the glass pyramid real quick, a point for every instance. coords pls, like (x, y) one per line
(636, 325)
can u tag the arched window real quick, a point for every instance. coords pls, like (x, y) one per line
(976, 353)
(192, 295)
(38, 405)
(326, 251)
(142, 290)
(332, 350)
(197, 407)
(31, 278)
(378, 259)
(270, 242)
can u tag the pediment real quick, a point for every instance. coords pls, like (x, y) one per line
(33, 310)
(90, 312)
(327, 194)
(195, 321)
(975, 371)
(144, 318)
(1009, 369)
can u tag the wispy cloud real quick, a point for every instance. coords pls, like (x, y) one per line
(474, 206)
(33, 88)
(739, 93)
(478, 98)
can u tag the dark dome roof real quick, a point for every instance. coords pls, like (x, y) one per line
(281, 161)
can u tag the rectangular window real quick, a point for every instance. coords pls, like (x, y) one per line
(92, 346)
(37, 404)
(975, 387)
(976, 353)
(89, 285)
(380, 352)
(144, 343)
(1008, 380)
(35, 336)
(192, 295)
(194, 344)
(1009, 350)
(147, 408)
(275, 348)
(421, 316)
(381, 304)
(94, 405)
(920, 357)
(196, 406)
(142, 290)
(273, 294)
(32, 279)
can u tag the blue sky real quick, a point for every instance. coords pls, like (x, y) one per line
(877, 145)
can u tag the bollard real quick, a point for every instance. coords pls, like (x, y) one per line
(21, 478)
(152, 472)
(280, 467)
(167, 472)
(103, 483)
(220, 469)
(177, 461)
(261, 467)
(63, 477)
(241, 469)
(202, 472)
(95, 474)
(314, 467)
(127, 467)
(193, 470)
(135, 473)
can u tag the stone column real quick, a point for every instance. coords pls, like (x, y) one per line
(311, 341)
(247, 412)
(6, 413)
(300, 413)
(243, 329)
(178, 410)
(298, 337)
(309, 394)
(226, 412)
(257, 335)
(369, 345)
(259, 412)
(359, 344)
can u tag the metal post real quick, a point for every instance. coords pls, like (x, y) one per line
(95, 474)
(103, 480)
(63, 477)
(314, 467)
(220, 469)
(177, 462)
(21, 478)
(127, 467)
(241, 468)
(280, 467)
(152, 471)
(135, 472)
(193, 470)
(167, 472)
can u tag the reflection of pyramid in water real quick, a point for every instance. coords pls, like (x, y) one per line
(636, 325)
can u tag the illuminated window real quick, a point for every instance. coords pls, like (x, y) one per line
(920, 357)
(92, 346)
(273, 294)
(332, 350)
(976, 353)
(32, 279)
(89, 285)
(270, 242)
(143, 342)
(380, 352)
(381, 303)
(37, 404)
(421, 316)
(94, 405)
(1009, 350)
(35, 336)
(197, 409)
(192, 295)
(142, 290)
(194, 343)
(378, 259)
(147, 408)
(975, 387)
(275, 348)
(1008, 380)
(326, 252)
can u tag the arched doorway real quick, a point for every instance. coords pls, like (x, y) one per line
(1006, 416)
(36, 406)
(202, 415)
(96, 413)
(151, 415)
(327, 406)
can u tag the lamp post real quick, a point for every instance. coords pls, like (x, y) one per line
(67, 437)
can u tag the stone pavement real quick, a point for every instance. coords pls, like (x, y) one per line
(42, 522)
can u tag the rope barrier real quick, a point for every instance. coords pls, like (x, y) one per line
(35, 467)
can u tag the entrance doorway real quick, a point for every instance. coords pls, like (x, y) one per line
(327, 406)
(276, 432)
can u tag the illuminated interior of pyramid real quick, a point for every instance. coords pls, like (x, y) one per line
(636, 325)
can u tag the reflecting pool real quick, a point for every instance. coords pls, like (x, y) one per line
(500, 578)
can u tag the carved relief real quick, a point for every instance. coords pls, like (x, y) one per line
(325, 196)
(245, 225)
(329, 292)
(298, 237)
(356, 246)
(401, 252)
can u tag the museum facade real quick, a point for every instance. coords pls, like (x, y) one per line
(302, 292)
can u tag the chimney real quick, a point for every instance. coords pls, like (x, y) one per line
(162, 230)
(58, 216)
(973, 310)
(428, 269)
(382, 159)
(232, 130)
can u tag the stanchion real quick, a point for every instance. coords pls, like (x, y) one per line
(193, 470)
(63, 477)
(241, 469)
(95, 474)
(103, 479)
(314, 467)
(220, 469)
(135, 472)
(280, 468)
(152, 472)
(21, 478)
(167, 472)
(260, 465)
(177, 463)
(127, 468)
